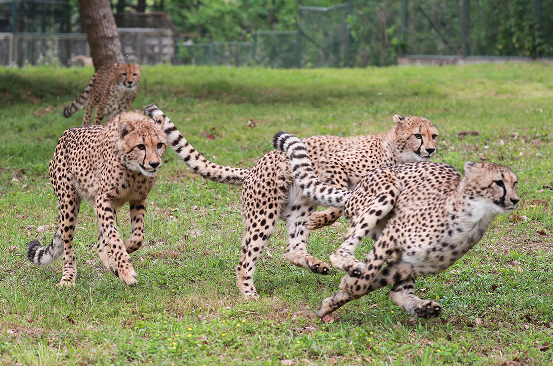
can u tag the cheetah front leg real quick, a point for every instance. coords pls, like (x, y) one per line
(403, 294)
(137, 212)
(354, 287)
(88, 111)
(365, 220)
(111, 248)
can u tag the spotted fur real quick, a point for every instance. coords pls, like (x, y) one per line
(113, 89)
(107, 166)
(424, 216)
(269, 191)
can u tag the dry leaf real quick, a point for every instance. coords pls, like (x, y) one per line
(543, 347)
(542, 232)
(11, 248)
(42, 228)
(463, 134)
(494, 287)
(478, 321)
(286, 362)
(251, 123)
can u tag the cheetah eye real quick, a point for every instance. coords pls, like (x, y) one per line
(141, 147)
(124, 74)
(434, 137)
(159, 145)
(134, 74)
(499, 183)
(418, 136)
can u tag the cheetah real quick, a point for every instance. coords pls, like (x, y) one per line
(107, 166)
(269, 191)
(113, 88)
(423, 215)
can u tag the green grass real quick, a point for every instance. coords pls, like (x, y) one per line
(186, 308)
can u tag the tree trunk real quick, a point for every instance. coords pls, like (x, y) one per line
(101, 31)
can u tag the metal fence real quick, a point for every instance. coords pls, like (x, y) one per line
(321, 40)
(139, 45)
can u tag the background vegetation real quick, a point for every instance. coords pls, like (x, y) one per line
(497, 27)
(186, 308)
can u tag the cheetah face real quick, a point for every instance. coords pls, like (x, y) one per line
(494, 183)
(417, 138)
(141, 146)
(128, 76)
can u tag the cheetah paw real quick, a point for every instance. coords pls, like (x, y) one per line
(320, 268)
(65, 283)
(429, 309)
(127, 275)
(352, 266)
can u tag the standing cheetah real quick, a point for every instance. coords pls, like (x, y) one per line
(270, 192)
(107, 166)
(424, 216)
(113, 88)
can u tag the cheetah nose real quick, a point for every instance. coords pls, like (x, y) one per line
(514, 200)
(154, 164)
(430, 150)
(130, 82)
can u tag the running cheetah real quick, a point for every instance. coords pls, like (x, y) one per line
(107, 166)
(269, 191)
(113, 88)
(424, 216)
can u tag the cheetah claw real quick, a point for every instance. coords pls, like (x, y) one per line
(322, 269)
(429, 310)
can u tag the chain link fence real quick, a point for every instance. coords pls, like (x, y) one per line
(139, 45)
(321, 40)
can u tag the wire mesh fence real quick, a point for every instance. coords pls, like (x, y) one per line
(323, 36)
(359, 33)
(139, 45)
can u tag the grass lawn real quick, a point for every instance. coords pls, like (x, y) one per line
(186, 309)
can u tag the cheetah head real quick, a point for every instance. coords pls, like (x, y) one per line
(417, 138)
(494, 184)
(141, 143)
(128, 75)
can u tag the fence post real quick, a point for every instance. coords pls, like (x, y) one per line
(537, 26)
(298, 42)
(254, 47)
(347, 50)
(466, 27)
(404, 19)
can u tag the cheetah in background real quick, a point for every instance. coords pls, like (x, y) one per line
(269, 191)
(424, 216)
(113, 88)
(107, 166)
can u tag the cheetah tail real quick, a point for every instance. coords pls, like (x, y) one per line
(304, 174)
(79, 103)
(43, 256)
(192, 158)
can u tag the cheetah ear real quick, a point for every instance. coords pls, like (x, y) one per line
(469, 166)
(397, 118)
(125, 128)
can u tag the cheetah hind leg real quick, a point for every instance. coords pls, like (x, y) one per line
(296, 250)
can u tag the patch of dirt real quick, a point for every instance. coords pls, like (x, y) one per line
(15, 331)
